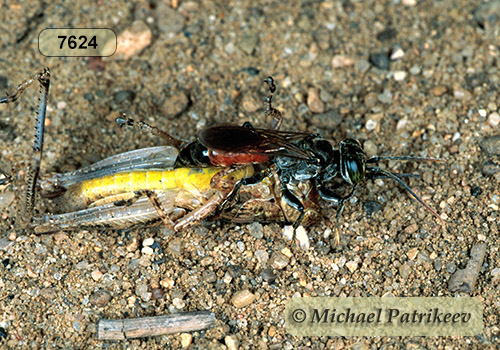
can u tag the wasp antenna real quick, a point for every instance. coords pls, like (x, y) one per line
(376, 159)
(123, 120)
(376, 170)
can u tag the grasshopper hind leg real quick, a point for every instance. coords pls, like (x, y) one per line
(43, 78)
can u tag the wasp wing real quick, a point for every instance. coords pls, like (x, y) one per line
(241, 139)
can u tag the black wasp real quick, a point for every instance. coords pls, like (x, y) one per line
(295, 156)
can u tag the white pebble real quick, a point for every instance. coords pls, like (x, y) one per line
(482, 112)
(494, 119)
(455, 137)
(371, 124)
(399, 75)
(147, 251)
(397, 53)
(148, 242)
(302, 237)
(288, 233)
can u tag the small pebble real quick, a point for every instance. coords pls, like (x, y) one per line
(100, 298)
(412, 253)
(313, 101)
(409, 3)
(341, 61)
(250, 104)
(399, 75)
(415, 70)
(167, 283)
(397, 53)
(241, 246)
(411, 229)
(124, 96)
(133, 245)
(279, 260)
(351, 265)
(248, 42)
(288, 233)
(131, 41)
(261, 256)
(147, 251)
(157, 293)
(148, 242)
(169, 21)
(142, 291)
(96, 275)
(302, 238)
(231, 342)
(385, 97)
(243, 298)
(491, 145)
(482, 112)
(370, 124)
(494, 119)
(405, 270)
(371, 207)
(380, 60)
(178, 303)
(186, 339)
(268, 275)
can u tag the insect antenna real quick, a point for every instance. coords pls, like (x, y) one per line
(378, 171)
(123, 120)
(376, 159)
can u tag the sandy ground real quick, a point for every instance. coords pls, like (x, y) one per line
(204, 63)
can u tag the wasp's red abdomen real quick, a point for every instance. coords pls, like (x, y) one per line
(228, 159)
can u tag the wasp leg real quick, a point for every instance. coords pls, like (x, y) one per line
(331, 196)
(295, 203)
(172, 141)
(43, 78)
(155, 201)
(276, 117)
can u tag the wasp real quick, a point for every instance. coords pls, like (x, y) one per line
(296, 158)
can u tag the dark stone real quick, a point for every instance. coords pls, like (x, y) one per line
(476, 191)
(124, 96)
(371, 207)
(490, 168)
(380, 60)
(387, 34)
(4, 82)
(268, 276)
(491, 145)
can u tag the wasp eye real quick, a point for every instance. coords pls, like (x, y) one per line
(355, 170)
(352, 162)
